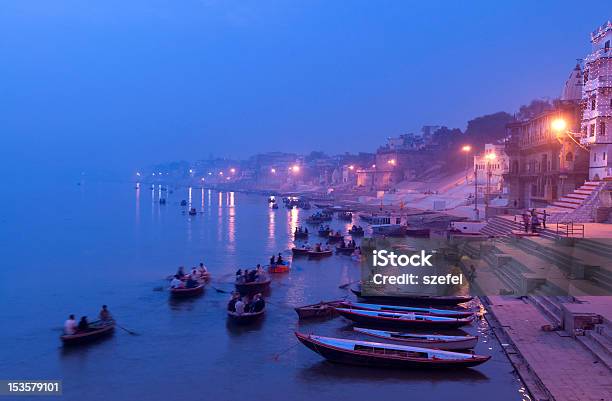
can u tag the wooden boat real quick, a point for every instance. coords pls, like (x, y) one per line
(183, 202)
(424, 340)
(279, 268)
(187, 292)
(415, 299)
(459, 314)
(400, 320)
(345, 250)
(192, 212)
(324, 233)
(386, 355)
(346, 216)
(96, 330)
(300, 251)
(274, 206)
(322, 309)
(319, 254)
(253, 287)
(245, 318)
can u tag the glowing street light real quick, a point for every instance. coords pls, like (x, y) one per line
(373, 165)
(559, 125)
(273, 170)
(391, 162)
(220, 172)
(351, 167)
(491, 156)
(466, 149)
(232, 170)
(295, 168)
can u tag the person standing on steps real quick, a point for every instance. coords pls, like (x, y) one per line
(544, 219)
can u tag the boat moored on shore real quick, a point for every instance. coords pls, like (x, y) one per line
(386, 355)
(436, 341)
(408, 309)
(400, 320)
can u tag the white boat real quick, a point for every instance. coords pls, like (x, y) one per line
(470, 227)
(390, 226)
(424, 340)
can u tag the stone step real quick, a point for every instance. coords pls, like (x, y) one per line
(564, 205)
(603, 341)
(605, 330)
(576, 196)
(599, 248)
(602, 277)
(596, 349)
(550, 314)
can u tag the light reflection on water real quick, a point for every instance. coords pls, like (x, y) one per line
(185, 347)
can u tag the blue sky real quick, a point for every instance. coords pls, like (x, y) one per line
(119, 84)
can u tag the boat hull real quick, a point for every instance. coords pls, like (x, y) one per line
(88, 337)
(421, 311)
(318, 255)
(340, 355)
(460, 343)
(381, 321)
(320, 310)
(252, 288)
(299, 252)
(187, 292)
(345, 251)
(245, 318)
(415, 300)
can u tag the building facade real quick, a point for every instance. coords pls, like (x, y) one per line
(596, 125)
(543, 165)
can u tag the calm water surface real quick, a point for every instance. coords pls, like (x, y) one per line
(69, 249)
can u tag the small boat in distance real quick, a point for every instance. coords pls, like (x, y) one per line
(402, 320)
(386, 355)
(300, 251)
(96, 330)
(345, 251)
(409, 309)
(245, 318)
(321, 309)
(187, 292)
(283, 267)
(389, 226)
(424, 340)
(319, 254)
(356, 231)
(253, 287)
(193, 211)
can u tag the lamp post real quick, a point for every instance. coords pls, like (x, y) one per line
(466, 149)
(490, 157)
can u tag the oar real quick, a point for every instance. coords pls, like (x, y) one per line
(129, 331)
(220, 290)
(345, 286)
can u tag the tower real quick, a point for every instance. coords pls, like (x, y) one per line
(596, 125)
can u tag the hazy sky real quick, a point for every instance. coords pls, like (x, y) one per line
(118, 84)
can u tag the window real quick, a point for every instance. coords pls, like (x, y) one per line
(586, 75)
(604, 156)
(594, 157)
(592, 133)
(602, 129)
(593, 102)
(607, 45)
(569, 157)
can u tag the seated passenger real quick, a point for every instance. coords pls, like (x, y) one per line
(105, 314)
(70, 325)
(83, 324)
(176, 282)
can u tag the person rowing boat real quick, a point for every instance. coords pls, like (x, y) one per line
(105, 314)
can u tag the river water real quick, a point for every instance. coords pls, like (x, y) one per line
(71, 248)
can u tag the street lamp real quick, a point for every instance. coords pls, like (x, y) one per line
(295, 168)
(232, 170)
(490, 158)
(273, 170)
(466, 149)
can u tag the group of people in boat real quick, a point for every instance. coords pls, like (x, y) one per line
(241, 305)
(300, 230)
(276, 261)
(71, 326)
(191, 280)
(347, 244)
(319, 247)
(254, 275)
(356, 228)
(324, 228)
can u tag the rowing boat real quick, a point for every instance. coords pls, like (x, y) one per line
(300, 251)
(245, 318)
(319, 254)
(400, 320)
(279, 268)
(253, 287)
(415, 299)
(424, 340)
(187, 292)
(408, 309)
(321, 309)
(386, 355)
(96, 330)
(345, 251)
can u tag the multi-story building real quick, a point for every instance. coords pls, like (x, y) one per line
(490, 166)
(544, 165)
(596, 125)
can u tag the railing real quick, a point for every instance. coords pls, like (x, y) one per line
(570, 230)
